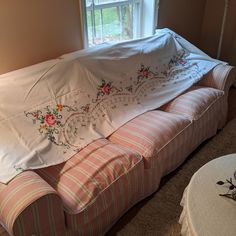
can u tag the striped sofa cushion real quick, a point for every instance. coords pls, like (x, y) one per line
(194, 102)
(88, 174)
(111, 204)
(28, 196)
(148, 133)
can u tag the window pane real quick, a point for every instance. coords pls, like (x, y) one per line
(110, 22)
(105, 1)
(89, 25)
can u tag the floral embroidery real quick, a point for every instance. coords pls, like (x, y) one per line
(55, 121)
(143, 74)
(59, 107)
(50, 119)
(144, 71)
(104, 88)
(50, 122)
(178, 59)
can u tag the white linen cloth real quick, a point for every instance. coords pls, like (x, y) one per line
(204, 211)
(50, 111)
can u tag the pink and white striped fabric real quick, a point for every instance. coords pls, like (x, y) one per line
(29, 197)
(148, 133)
(211, 120)
(194, 102)
(164, 139)
(96, 185)
(176, 151)
(87, 176)
(221, 77)
(102, 181)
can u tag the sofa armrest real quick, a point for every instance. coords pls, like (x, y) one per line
(30, 206)
(221, 77)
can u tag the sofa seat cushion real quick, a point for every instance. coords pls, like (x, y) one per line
(88, 174)
(194, 103)
(148, 133)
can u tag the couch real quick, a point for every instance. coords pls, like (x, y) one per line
(88, 193)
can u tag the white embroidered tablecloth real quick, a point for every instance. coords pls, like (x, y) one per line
(205, 213)
(50, 111)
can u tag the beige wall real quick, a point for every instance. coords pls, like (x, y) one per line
(36, 30)
(229, 43)
(211, 26)
(200, 22)
(183, 16)
(211, 30)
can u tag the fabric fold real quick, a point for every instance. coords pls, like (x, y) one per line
(89, 94)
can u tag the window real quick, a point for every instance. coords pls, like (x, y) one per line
(119, 20)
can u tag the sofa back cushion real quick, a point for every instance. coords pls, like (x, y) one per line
(150, 132)
(194, 102)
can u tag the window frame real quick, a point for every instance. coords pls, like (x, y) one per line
(148, 10)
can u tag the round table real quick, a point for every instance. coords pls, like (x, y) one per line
(205, 213)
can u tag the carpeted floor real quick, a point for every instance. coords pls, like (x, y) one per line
(158, 215)
(232, 103)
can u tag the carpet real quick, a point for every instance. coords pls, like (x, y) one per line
(159, 213)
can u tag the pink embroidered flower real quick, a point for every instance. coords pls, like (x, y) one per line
(183, 62)
(106, 89)
(50, 119)
(145, 73)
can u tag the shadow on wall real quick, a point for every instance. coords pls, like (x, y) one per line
(200, 22)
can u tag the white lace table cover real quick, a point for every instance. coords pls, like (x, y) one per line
(205, 213)
(50, 111)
